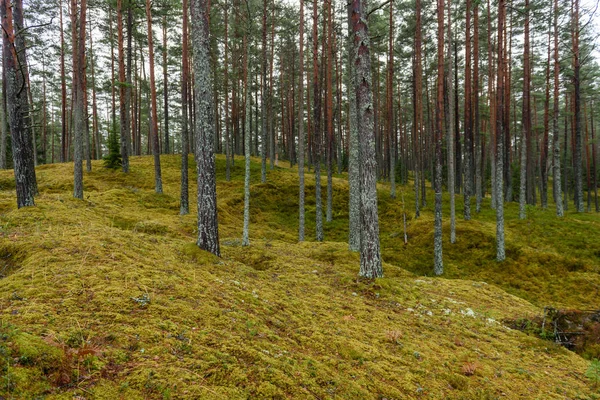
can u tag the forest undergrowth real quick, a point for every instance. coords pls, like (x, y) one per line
(110, 298)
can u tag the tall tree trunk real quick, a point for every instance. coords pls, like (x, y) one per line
(226, 87)
(301, 208)
(525, 184)
(478, 144)
(555, 134)
(263, 144)
(3, 121)
(329, 111)
(390, 106)
(437, 239)
(184, 206)
(27, 99)
(18, 113)
(317, 126)
(545, 140)
(248, 102)
(418, 107)
(468, 142)
(64, 156)
(370, 253)
(500, 104)
(124, 112)
(128, 124)
(154, 129)
(208, 229)
(450, 127)
(80, 114)
(96, 148)
(594, 145)
(353, 160)
(167, 148)
(577, 153)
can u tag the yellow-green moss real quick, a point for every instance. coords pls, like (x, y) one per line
(114, 291)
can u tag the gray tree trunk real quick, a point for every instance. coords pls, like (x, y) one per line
(500, 253)
(27, 106)
(263, 142)
(18, 114)
(353, 160)
(124, 111)
(208, 229)
(3, 121)
(438, 268)
(80, 114)
(184, 205)
(301, 195)
(555, 134)
(370, 253)
(450, 127)
(245, 235)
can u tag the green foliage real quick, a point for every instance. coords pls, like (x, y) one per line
(113, 159)
(593, 372)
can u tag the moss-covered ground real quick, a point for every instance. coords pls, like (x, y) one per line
(109, 298)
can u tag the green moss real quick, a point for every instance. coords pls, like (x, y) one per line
(278, 319)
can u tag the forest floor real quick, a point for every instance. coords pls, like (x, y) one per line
(109, 298)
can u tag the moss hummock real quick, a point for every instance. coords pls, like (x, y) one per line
(109, 298)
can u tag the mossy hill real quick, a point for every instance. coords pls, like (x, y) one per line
(109, 298)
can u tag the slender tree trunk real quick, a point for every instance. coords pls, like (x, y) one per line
(124, 112)
(477, 125)
(500, 99)
(3, 121)
(184, 206)
(353, 160)
(577, 153)
(526, 132)
(64, 156)
(594, 169)
(128, 124)
(226, 87)
(545, 141)
(208, 230)
(97, 151)
(301, 211)
(263, 144)
(248, 101)
(450, 126)
(437, 239)
(555, 134)
(167, 148)
(390, 106)
(468, 143)
(418, 107)
(329, 111)
(80, 114)
(317, 127)
(154, 129)
(370, 253)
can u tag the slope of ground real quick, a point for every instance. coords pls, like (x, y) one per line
(109, 298)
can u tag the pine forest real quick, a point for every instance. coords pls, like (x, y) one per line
(312, 199)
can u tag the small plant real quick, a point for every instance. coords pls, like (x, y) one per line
(394, 336)
(469, 368)
(113, 159)
(143, 300)
(593, 372)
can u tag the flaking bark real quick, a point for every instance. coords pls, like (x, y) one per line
(208, 229)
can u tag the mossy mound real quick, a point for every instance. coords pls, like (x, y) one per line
(110, 298)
